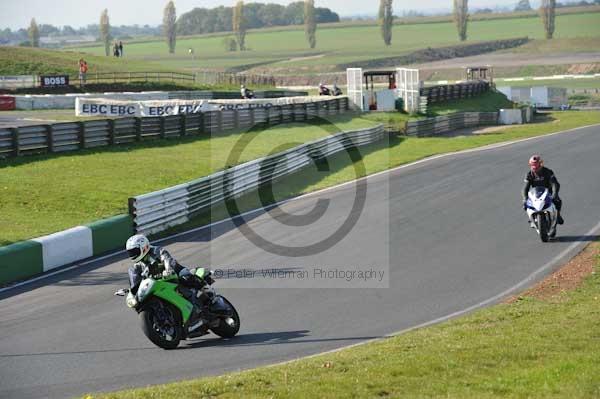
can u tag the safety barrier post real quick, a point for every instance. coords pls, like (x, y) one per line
(138, 129)
(161, 123)
(81, 134)
(50, 138)
(183, 124)
(15, 140)
(236, 119)
(111, 132)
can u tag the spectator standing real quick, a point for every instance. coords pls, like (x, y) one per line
(120, 48)
(83, 68)
(116, 49)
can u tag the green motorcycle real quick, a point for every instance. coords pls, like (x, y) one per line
(168, 312)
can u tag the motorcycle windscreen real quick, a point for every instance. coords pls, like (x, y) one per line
(537, 192)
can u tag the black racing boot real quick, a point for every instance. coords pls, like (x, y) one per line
(559, 219)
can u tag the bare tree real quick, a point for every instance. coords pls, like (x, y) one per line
(461, 17)
(386, 20)
(169, 25)
(548, 12)
(310, 23)
(34, 34)
(105, 31)
(239, 25)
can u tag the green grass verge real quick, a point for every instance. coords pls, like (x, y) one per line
(33, 61)
(491, 101)
(527, 349)
(48, 193)
(287, 50)
(584, 100)
(488, 102)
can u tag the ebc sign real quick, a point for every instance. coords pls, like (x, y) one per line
(108, 109)
(54, 81)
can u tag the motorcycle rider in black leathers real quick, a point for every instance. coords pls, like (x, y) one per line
(246, 93)
(157, 262)
(324, 90)
(540, 176)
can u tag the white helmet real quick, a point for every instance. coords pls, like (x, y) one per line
(137, 247)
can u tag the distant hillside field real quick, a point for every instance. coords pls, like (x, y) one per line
(286, 50)
(32, 61)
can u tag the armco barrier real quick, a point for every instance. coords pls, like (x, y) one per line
(29, 258)
(7, 103)
(157, 211)
(67, 101)
(70, 136)
(443, 93)
(447, 123)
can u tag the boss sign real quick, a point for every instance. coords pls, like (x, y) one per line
(54, 81)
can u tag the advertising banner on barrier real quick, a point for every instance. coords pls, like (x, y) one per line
(100, 107)
(54, 81)
(7, 103)
(173, 107)
(14, 82)
(116, 108)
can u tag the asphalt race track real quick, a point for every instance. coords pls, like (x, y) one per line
(450, 232)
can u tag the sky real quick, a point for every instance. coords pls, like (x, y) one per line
(15, 14)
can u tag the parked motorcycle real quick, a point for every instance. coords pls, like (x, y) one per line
(168, 313)
(542, 212)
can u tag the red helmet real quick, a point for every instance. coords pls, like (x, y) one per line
(536, 163)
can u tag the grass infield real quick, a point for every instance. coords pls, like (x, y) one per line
(44, 194)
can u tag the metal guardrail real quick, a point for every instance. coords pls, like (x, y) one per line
(128, 77)
(157, 211)
(71, 136)
(441, 93)
(30, 81)
(442, 124)
(216, 78)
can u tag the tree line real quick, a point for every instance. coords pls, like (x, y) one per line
(21, 36)
(242, 17)
(547, 13)
(256, 15)
(460, 15)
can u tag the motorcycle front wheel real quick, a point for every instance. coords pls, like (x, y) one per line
(228, 326)
(160, 323)
(542, 223)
